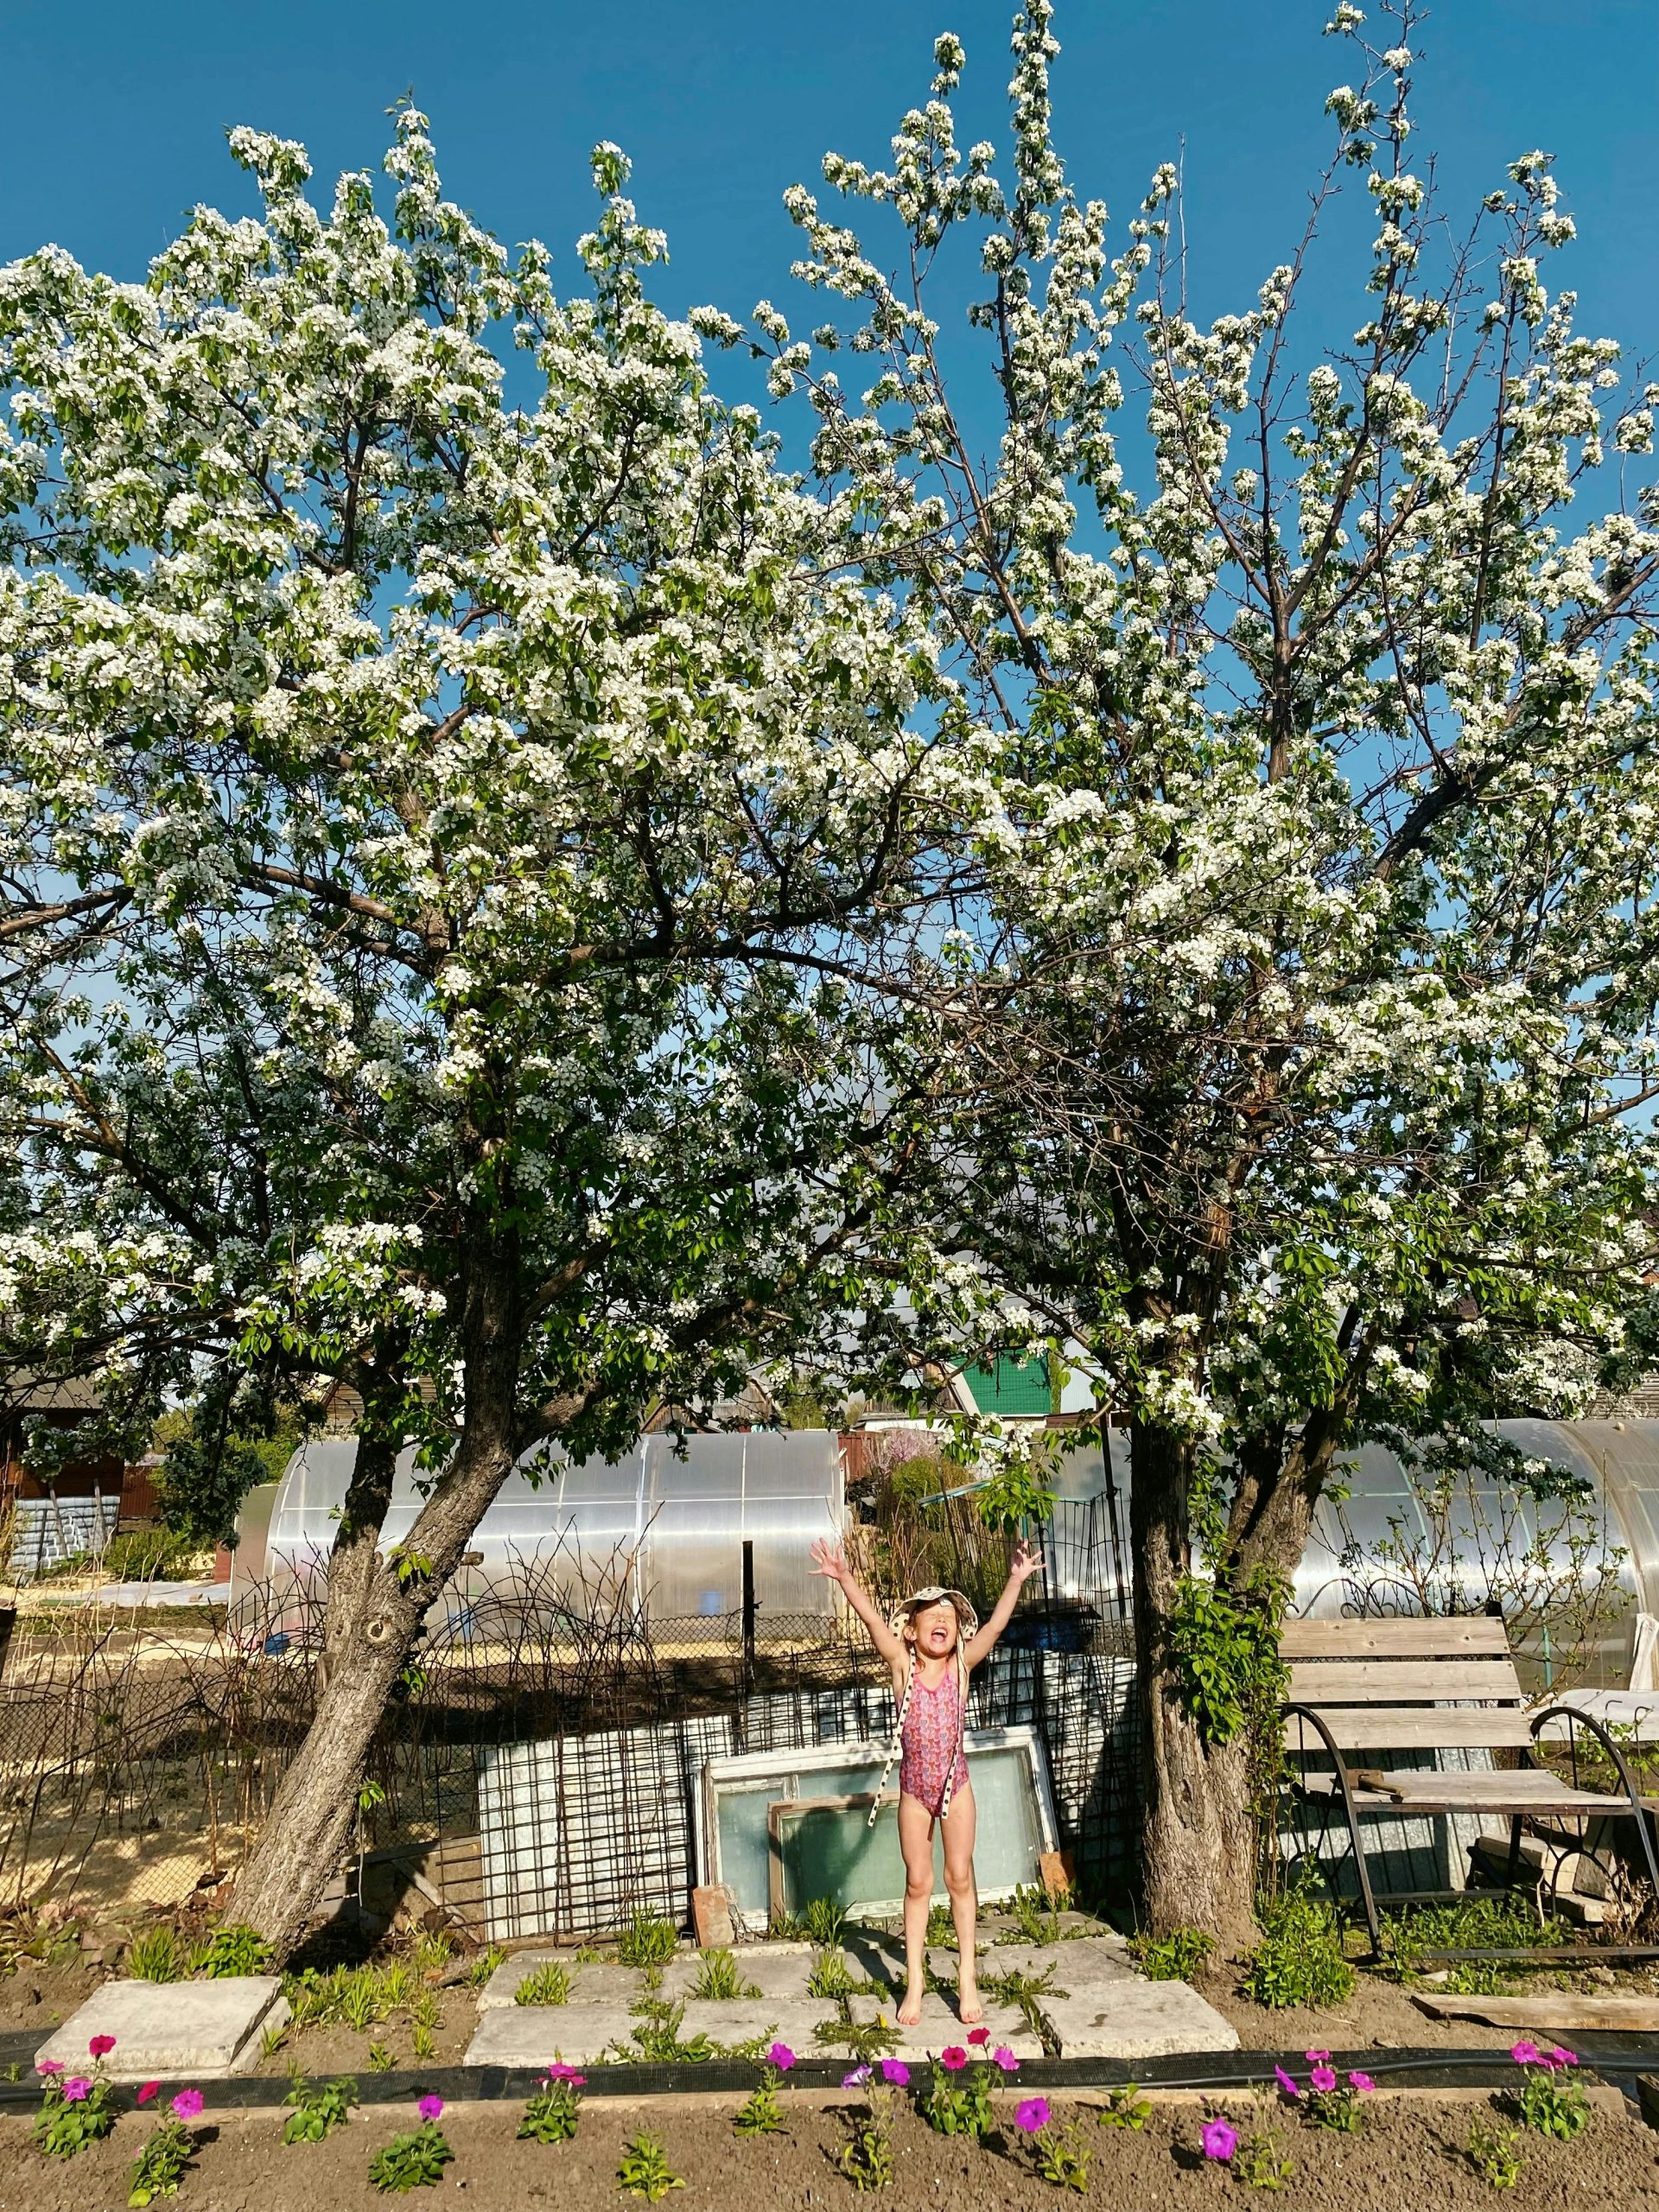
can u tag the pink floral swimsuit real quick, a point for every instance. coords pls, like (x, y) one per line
(932, 1730)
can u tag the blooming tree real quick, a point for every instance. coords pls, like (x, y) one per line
(1301, 1031)
(451, 785)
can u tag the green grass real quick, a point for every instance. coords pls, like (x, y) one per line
(547, 1984)
(647, 1940)
(1473, 1922)
(719, 1979)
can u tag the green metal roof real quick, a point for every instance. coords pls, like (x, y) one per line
(1010, 1386)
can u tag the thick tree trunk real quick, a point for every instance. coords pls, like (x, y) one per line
(372, 1623)
(1197, 1851)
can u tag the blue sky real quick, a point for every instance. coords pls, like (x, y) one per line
(115, 129)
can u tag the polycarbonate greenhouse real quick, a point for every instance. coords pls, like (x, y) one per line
(656, 1531)
(1378, 1548)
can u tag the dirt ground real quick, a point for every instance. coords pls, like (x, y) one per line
(1405, 2159)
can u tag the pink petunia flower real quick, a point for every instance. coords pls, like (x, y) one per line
(74, 2090)
(50, 2066)
(99, 2044)
(781, 2057)
(1525, 2053)
(857, 2079)
(979, 2037)
(1317, 2057)
(1323, 2079)
(559, 2072)
(1003, 2058)
(953, 2059)
(1031, 2117)
(1559, 2057)
(895, 2073)
(1287, 2081)
(429, 2108)
(187, 2104)
(147, 2091)
(1219, 2139)
(1363, 2083)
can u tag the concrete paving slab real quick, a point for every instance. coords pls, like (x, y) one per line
(1085, 1964)
(169, 2031)
(1125, 2015)
(777, 1975)
(616, 1987)
(939, 2027)
(535, 2035)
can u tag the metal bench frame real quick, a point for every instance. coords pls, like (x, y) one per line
(1411, 1666)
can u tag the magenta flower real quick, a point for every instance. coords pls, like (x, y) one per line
(1526, 2054)
(50, 2066)
(895, 2073)
(953, 2059)
(1317, 2057)
(781, 2057)
(1559, 2057)
(1363, 2083)
(857, 2079)
(1003, 2057)
(74, 2091)
(979, 2037)
(99, 2044)
(1323, 2079)
(1287, 2081)
(187, 2104)
(147, 2092)
(1220, 2139)
(1031, 2117)
(429, 2108)
(559, 2072)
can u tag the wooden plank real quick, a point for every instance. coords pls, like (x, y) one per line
(1402, 1681)
(1548, 2008)
(1418, 1789)
(1414, 1727)
(1402, 1636)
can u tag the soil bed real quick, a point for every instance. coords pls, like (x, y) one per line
(1407, 2157)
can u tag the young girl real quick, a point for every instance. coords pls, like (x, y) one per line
(932, 1643)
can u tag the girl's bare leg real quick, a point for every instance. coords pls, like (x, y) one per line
(916, 1841)
(959, 1823)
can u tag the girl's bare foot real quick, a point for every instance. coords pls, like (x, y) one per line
(910, 2012)
(971, 2006)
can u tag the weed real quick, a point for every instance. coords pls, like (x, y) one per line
(485, 1964)
(941, 1928)
(272, 2039)
(830, 1976)
(400, 1985)
(647, 1940)
(825, 1921)
(547, 1984)
(314, 2114)
(719, 1980)
(361, 2000)
(236, 1949)
(1125, 2107)
(867, 2040)
(156, 1955)
(553, 2110)
(1300, 1959)
(658, 2036)
(382, 2058)
(1480, 1978)
(416, 2160)
(786, 1928)
(1022, 1991)
(1495, 2154)
(1472, 1923)
(433, 1950)
(1036, 1914)
(1175, 1957)
(644, 2171)
(588, 1955)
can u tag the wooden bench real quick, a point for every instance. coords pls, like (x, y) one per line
(1362, 1689)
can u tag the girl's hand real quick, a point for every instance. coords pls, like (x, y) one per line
(828, 1559)
(1026, 1562)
